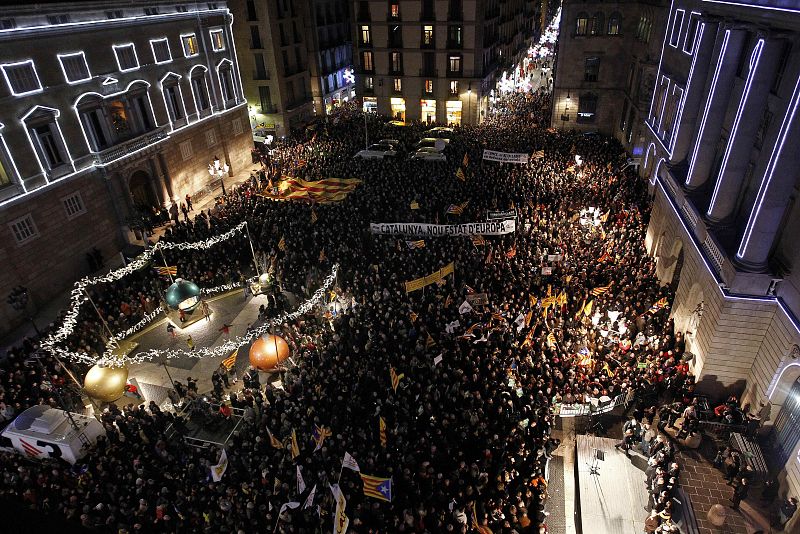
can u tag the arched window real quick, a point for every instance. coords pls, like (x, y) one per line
(614, 22)
(596, 24)
(173, 99)
(47, 140)
(115, 118)
(226, 83)
(581, 24)
(200, 93)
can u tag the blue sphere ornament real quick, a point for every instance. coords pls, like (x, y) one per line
(183, 295)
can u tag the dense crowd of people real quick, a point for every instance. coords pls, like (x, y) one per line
(572, 314)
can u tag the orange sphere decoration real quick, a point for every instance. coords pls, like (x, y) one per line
(267, 352)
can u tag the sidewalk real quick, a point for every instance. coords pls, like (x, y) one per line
(46, 313)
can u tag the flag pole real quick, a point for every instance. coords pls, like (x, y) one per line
(340, 473)
(169, 273)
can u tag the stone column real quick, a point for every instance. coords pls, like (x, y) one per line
(702, 63)
(157, 182)
(758, 79)
(718, 90)
(167, 180)
(777, 182)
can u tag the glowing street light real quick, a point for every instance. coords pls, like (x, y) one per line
(219, 169)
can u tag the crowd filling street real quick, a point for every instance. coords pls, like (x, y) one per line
(449, 391)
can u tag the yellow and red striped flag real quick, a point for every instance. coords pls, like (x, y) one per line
(413, 316)
(661, 303)
(395, 378)
(282, 243)
(429, 343)
(460, 175)
(171, 270)
(230, 361)
(551, 339)
(314, 216)
(480, 528)
(382, 431)
(275, 442)
(600, 290)
(465, 161)
(416, 244)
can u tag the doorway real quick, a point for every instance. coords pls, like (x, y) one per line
(142, 194)
(787, 425)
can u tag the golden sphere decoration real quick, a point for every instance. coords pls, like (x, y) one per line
(267, 352)
(105, 384)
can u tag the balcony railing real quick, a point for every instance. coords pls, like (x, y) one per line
(133, 145)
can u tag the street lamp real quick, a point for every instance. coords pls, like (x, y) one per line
(18, 299)
(219, 169)
(469, 101)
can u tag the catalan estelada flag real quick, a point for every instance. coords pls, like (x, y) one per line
(395, 378)
(171, 270)
(600, 290)
(660, 304)
(457, 209)
(382, 431)
(318, 436)
(377, 487)
(230, 361)
(416, 244)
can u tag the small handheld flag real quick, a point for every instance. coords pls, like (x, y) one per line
(295, 447)
(377, 487)
(382, 429)
(230, 361)
(460, 174)
(350, 462)
(282, 244)
(171, 270)
(395, 378)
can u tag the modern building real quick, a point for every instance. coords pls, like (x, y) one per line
(107, 110)
(606, 66)
(437, 60)
(295, 58)
(723, 159)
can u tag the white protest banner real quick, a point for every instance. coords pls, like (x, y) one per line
(504, 157)
(509, 214)
(547, 270)
(500, 227)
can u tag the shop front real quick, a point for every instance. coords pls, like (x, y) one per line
(428, 111)
(398, 108)
(454, 112)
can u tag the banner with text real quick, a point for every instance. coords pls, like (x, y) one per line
(494, 215)
(439, 230)
(504, 157)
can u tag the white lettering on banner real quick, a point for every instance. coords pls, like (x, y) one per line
(492, 215)
(504, 157)
(440, 230)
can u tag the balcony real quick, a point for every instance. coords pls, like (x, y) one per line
(125, 148)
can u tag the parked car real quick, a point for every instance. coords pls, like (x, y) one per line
(377, 151)
(428, 154)
(442, 132)
(431, 142)
(393, 143)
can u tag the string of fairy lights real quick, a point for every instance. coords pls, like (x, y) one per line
(79, 294)
(229, 345)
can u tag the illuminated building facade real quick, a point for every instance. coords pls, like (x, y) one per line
(722, 162)
(293, 56)
(107, 111)
(437, 60)
(605, 67)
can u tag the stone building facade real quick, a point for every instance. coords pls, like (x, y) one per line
(605, 67)
(722, 162)
(437, 60)
(296, 60)
(107, 111)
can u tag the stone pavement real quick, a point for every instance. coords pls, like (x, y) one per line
(706, 486)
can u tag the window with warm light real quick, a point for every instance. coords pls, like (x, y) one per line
(217, 40)
(366, 61)
(394, 10)
(365, 35)
(428, 86)
(398, 84)
(190, 47)
(454, 63)
(427, 35)
(454, 87)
